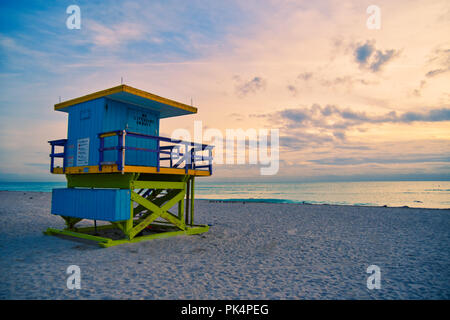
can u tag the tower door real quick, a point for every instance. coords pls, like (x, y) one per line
(144, 122)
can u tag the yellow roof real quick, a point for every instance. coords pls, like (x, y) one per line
(127, 94)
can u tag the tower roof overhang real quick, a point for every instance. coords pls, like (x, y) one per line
(123, 93)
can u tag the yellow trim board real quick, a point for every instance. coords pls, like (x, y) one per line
(127, 89)
(137, 169)
(143, 169)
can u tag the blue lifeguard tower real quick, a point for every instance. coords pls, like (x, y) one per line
(119, 169)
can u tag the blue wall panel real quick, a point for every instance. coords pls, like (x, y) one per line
(114, 119)
(145, 122)
(94, 204)
(85, 121)
(120, 116)
(88, 119)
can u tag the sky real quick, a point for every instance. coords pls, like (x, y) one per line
(350, 102)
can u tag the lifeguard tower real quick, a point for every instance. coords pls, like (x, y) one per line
(119, 169)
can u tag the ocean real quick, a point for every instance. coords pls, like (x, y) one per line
(420, 194)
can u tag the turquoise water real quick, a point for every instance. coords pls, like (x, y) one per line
(421, 194)
(31, 186)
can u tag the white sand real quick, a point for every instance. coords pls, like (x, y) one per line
(252, 251)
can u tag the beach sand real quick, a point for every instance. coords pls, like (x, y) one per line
(252, 251)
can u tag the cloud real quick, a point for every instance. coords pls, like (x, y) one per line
(333, 117)
(339, 134)
(363, 53)
(353, 147)
(381, 59)
(435, 72)
(234, 115)
(305, 76)
(115, 35)
(411, 158)
(441, 61)
(251, 86)
(367, 56)
(307, 80)
(296, 115)
(304, 139)
(347, 80)
(434, 115)
(319, 125)
(292, 89)
(418, 91)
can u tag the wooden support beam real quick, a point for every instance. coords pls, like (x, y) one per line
(188, 186)
(192, 200)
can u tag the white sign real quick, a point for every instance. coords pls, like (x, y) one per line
(83, 152)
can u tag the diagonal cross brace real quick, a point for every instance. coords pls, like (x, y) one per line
(151, 197)
(157, 212)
